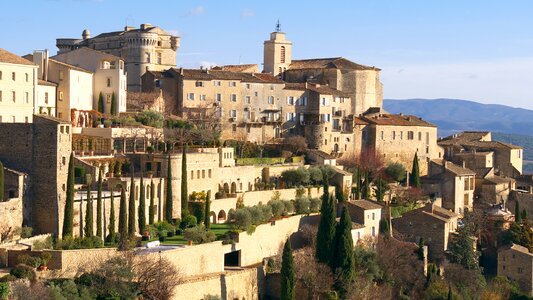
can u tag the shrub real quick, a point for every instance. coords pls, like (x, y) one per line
(199, 234)
(170, 233)
(197, 209)
(256, 213)
(8, 278)
(33, 261)
(302, 205)
(156, 228)
(46, 243)
(278, 208)
(162, 238)
(188, 221)
(231, 214)
(4, 290)
(151, 118)
(300, 192)
(314, 204)
(396, 171)
(296, 177)
(23, 271)
(26, 232)
(315, 175)
(242, 219)
(289, 207)
(267, 212)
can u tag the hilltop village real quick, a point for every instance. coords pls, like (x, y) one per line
(123, 176)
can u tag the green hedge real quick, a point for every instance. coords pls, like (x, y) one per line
(260, 161)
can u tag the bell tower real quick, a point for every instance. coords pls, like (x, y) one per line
(277, 53)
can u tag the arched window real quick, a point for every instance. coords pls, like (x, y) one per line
(282, 54)
(147, 57)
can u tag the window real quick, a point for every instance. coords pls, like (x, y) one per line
(147, 57)
(202, 97)
(234, 127)
(382, 135)
(60, 95)
(27, 77)
(216, 83)
(26, 119)
(13, 119)
(159, 57)
(209, 173)
(303, 101)
(192, 174)
(233, 113)
(324, 101)
(373, 216)
(232, 83)
(290, 100)
(108, 98)
(393, 135)
(248, 99)
(0, 75)
(199, 84)
(13, 76)
(46, 97)
(234, 97)
(0, 96)
(270, 99)
(427, 137)
(410, 135)
(108, 81)
(290, 117)
(61, 75)
(248, 86)
(420, 136)
(13, 96)
(190, 96)
(466, 201)
(401, 135)
(26, 97)
(256, 94)
(282, 59)
(218, 97)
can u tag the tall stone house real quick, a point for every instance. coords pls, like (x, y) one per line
(516, 263)
(145, 48)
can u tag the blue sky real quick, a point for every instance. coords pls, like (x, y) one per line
(475, 50)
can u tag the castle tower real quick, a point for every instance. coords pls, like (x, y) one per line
(277, 53)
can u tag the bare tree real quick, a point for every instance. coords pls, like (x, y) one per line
(315, 277)
(156, 277)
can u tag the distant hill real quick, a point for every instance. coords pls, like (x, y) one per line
(508, 124)
(459, 115)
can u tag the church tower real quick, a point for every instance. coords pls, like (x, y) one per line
(277, 53)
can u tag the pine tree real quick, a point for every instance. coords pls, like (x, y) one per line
(101, 103)
(326, 228)
(517, 215)
(462, 252)
(414, 177)
(184, 192)
(111, 236)
(123, 216)
(343, 262)
(168, 200)
(131, 208)
(99, 232)
(151, 209)
(89, 213)
(113, 104)
(207, 219)
(287, 273)
(68, 219)
(1, 182)
(142, 208)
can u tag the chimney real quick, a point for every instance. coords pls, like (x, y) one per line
(146, 26)
(401, 114)
(464, 164)
(306, 85)
(181, 71)
(128, 28)
(444, 163)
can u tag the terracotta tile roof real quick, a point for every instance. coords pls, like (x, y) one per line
(70, 66)
(48, 83)
(453, 168)
(319, 88)
(199, 74)
(357, 225)
(239, 68)
(395, 120)
(11, 58)
(495, 180)
(329, 63)
(366, 204)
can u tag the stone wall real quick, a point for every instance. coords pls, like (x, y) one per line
(11, 214)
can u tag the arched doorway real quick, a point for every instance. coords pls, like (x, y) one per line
(226, 188)
(233, 188)
(336, 147)
(213, 217)
(221, 216)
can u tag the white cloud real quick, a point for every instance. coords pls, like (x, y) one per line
(247, 13)
(198, 10)
(507, 81)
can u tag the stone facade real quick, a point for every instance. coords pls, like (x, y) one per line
(145, 48)
(18, 84)
(41, 150)
(368, 214)
(516, 263)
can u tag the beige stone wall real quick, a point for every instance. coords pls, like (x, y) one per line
(11, 214)
(273, 62)
(517, 266)
(45, 100)
(20, 108)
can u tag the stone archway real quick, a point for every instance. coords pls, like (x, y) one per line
(233, 188)
(213, 217)
(226, 188)
(221, 216)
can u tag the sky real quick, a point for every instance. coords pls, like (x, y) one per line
(474, 50)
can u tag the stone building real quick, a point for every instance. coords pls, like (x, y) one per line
(18, 85)
(432, 223)
(109, 75)
(45, 102)
(516, 263)
(40, 149)
(145, 48)
(506, 159)
(453, 183)
(367, 213)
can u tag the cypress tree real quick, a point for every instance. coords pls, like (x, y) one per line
(326, 228)
(414, 177)
(68, 220)
(99, 232)
(131, 207)
(113, 104)
(207, 220)
(101, 103)
(287, 273)
(151, 209)
(111, 236)
(184, 192)
(89, 213)
(524, 214)
(1, 182)
(168, 200)
(517, 215)
(343, 261)
(384, 228)
(339, 194)
(123, 216)
(450, 295)
(142, 208)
